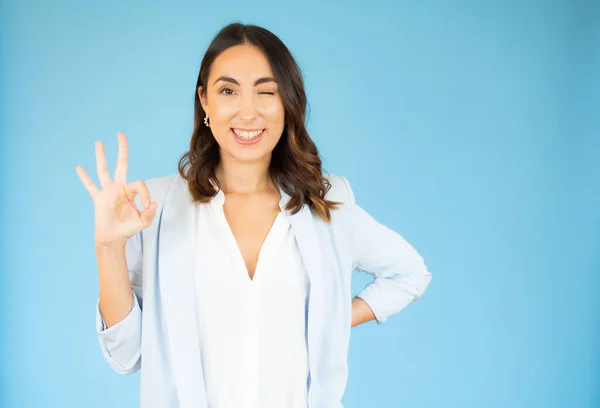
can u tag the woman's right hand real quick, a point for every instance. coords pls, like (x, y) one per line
(116, 216)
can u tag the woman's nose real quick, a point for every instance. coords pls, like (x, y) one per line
(248, 108)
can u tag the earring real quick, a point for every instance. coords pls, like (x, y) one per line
(206, 121)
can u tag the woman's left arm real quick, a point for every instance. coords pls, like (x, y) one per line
(400, 275)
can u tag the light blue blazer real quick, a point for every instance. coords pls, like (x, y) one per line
(160, 334)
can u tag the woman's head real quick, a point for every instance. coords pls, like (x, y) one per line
(240, 97)
(251, 89)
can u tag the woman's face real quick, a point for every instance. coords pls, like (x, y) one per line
(242, 101)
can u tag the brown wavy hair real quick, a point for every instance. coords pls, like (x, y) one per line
(295, 163)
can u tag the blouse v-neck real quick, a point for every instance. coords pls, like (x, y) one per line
(266, 251)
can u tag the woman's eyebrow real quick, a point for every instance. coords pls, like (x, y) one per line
(264, 80)
(233, 81)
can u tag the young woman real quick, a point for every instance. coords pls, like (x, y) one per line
(230, 285)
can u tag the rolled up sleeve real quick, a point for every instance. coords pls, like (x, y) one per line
(399, 273)
(120, 343)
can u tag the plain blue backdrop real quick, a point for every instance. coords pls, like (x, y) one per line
(469, 127)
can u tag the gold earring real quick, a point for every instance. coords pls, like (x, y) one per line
(206, 121)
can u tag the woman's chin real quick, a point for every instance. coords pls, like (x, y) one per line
(243, 154)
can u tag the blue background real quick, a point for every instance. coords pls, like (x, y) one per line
(469, 127)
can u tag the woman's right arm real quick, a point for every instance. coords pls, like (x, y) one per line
(119, 308)
(119, 223)
(116, 298)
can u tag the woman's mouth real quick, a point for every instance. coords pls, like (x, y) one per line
(247, 136)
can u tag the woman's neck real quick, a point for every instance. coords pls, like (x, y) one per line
(243, 178)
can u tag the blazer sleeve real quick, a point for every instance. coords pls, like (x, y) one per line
(121, 343)
(400, 275)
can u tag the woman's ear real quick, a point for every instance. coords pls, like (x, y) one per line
(202, 99)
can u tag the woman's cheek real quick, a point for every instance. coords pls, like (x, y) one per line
(273, 111)
(224, 110)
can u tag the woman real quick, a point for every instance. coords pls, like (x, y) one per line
(231, 286)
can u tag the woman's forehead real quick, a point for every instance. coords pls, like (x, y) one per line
(241, 62)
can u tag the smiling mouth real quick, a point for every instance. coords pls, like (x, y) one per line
(248, 134)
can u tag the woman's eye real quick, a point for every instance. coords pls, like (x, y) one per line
(226, 91)
(267, 93)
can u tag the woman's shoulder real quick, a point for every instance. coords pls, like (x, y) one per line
(162, 182)
(340, 189)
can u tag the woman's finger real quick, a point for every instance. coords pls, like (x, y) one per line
(121, 168)
(139, 187)
(148, 214)
(101, 165)
(87, 181)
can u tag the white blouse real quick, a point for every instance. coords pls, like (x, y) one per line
(252, 331)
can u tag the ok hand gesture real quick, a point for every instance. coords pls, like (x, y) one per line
(116, 216)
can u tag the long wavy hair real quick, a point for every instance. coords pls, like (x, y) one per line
(295, 163)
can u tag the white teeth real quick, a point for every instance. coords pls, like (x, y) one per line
(247, 135)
